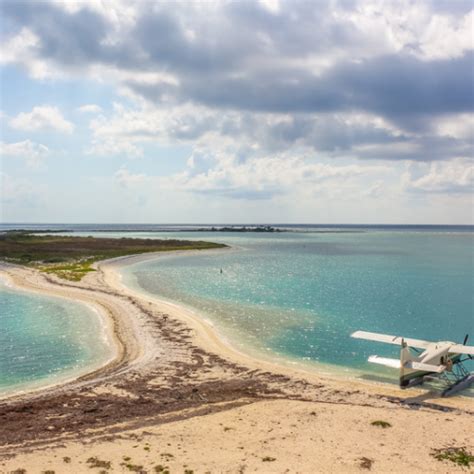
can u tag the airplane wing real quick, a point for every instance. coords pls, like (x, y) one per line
(460, 349)
(373, 336)
(393, 363)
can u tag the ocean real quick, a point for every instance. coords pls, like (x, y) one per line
(298, 295)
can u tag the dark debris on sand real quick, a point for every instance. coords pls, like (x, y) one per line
(180, 385)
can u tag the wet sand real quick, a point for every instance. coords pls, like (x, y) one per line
(176, 388)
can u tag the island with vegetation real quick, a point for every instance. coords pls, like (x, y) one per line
(170, 376)
(259, 228)
(72, 257)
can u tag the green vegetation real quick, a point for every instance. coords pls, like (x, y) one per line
(258, 228)
(71, 271)
(458, 456)
(381, 423)
(96, 462)
(67, 459)
(168, 456)
(18, 471)
(268, 459)
(133, 467)
(72, 257)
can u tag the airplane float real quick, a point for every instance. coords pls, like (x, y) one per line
(442, 359)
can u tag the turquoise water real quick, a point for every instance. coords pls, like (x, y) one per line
(45, 339)
(295, 295)
(300, 295)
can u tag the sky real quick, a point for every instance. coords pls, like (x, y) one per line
(237, 111)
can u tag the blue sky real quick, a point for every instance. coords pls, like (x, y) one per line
(249, 111)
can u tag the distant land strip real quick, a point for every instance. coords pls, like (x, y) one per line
(71, 257)
(234, 228)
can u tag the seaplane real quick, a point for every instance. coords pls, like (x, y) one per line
(423, 359)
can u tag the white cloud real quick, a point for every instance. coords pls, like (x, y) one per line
(90, 109)
(411, 27)
(266, 100)
(43, 117)
(127, 128)
(455, 176)
(114, 147)
(126, 179)
(24, 48)
(456, 126)
(376, 190)
(18, 45)
(31, 151)
(220, 173)
(336, 134)
(272, 6)
(447, 37)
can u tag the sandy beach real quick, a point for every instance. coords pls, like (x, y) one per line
(178, 397)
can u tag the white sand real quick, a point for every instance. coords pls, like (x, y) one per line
(332, 435)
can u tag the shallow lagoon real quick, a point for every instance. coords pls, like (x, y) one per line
(44, 339)
(300, 295)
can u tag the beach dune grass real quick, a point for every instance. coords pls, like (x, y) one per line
(381, 424)
(70, 271)
(72, 257)
(457, 455)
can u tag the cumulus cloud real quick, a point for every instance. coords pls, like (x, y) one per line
(361, 135)
(265, 92)
(42, 118)
(455, 177)
(22, 48)
(458, 126)
(90, 109)
(268, 176)
(404, 90)
(370, 56)
(114, 147)
(221, 174)
(32, 152)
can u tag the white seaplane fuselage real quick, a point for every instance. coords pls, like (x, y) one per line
(435, 358)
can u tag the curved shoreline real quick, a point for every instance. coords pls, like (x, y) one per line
(69, 375)
(32, 281)
(207, 334)
(209, 337)
(176, 379)
(103, 290)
